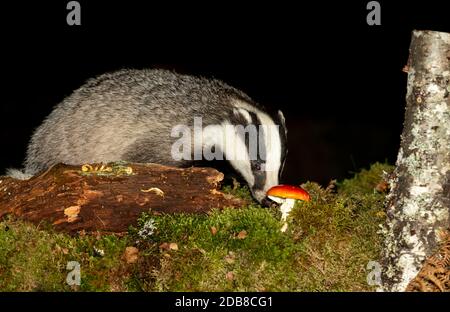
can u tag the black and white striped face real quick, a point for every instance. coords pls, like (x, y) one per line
(262, 169)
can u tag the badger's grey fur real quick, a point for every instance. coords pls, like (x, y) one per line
(129, 115)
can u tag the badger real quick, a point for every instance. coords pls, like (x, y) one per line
(129, 115)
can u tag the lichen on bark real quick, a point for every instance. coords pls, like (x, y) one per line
(419, 201)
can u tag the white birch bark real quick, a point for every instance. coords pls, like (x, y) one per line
(419, 201)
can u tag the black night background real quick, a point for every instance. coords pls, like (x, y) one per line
(339, 81)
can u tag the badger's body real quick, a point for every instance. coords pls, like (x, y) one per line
(129, 115)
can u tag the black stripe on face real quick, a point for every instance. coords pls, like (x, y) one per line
(284, 149)
(258, 164)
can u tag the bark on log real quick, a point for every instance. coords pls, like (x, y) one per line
(419, 201)
(111, 199)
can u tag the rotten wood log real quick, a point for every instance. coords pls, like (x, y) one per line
(112, 197)
(418, 204)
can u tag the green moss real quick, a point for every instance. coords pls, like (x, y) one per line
(327, 246)
(34, 259)
(238, 191)
(366, 180)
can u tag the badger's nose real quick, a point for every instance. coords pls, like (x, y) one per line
(259, 195)
(266, 202)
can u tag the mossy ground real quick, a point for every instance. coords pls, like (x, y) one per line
(327, 247)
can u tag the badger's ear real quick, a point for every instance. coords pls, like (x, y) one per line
(242, 114)
(282, 120)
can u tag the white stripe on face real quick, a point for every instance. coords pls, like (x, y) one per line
(226, 138)
(234, 153)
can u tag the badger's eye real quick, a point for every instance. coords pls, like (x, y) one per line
(256, 166)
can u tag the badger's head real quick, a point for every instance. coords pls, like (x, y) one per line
(260, 160)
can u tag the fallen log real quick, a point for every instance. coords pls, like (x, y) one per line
(110, 198)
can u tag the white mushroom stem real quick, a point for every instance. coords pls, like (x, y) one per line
(286, 206)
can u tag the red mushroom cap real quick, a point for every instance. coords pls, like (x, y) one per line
(288, 191)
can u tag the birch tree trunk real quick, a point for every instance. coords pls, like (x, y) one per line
(419, 201)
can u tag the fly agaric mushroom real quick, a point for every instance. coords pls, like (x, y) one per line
(286, 195)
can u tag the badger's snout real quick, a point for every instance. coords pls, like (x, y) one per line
(261, 197)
